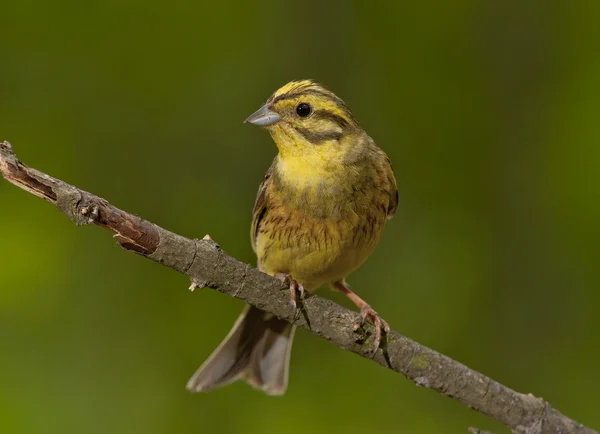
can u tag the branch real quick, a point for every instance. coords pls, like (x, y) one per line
(208, 265)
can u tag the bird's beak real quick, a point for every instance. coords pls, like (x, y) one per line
(263, 116)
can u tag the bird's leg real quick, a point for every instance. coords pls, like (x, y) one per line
(366, 311)
(294, 286)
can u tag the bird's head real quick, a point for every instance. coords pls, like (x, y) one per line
(303, 116)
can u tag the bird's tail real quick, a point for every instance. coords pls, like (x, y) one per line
(257, 349)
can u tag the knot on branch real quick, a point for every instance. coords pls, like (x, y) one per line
(67, 201)
(536, 426)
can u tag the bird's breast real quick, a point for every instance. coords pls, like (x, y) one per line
(318, 233)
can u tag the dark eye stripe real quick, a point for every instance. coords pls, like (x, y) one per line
(316, 137)
(327, 115)
(341, 121)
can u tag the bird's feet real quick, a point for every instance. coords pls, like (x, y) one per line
(294, 286)
(367, 312)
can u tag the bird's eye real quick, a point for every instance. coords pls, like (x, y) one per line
(303, 109)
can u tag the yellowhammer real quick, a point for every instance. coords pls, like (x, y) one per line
(319, 213)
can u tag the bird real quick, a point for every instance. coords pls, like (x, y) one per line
(319, 213)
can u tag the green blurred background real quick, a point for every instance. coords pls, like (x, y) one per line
(488, 110)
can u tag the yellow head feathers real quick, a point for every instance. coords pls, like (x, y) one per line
(320, 100)
(303, 115)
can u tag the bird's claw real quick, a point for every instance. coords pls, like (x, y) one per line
(381, 326)
(294, 286)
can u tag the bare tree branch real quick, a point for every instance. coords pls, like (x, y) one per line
(208, 265)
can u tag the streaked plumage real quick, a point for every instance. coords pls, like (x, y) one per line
(319, 213)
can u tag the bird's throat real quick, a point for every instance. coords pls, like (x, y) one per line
(314, 188)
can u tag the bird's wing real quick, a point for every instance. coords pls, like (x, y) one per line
(393, 204)
(260, 205)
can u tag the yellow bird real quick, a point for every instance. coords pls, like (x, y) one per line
(319, 213)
